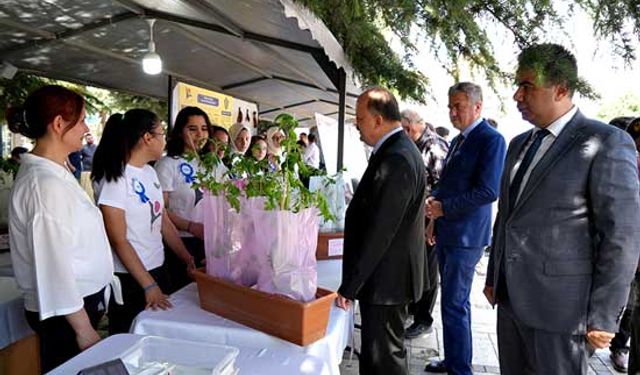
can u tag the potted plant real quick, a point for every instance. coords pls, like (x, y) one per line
(261, 231)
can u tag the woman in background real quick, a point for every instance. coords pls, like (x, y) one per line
(274, 150)
(176, 173)
(257, 148)
(240, 136)
(130, 197)
(59, 249)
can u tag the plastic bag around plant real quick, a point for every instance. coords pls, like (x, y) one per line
(289, 241)
(224, 235)
(334, 193)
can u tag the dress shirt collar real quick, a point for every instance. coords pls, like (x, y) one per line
(384, 138)
(465, 132)
(556, 127)
(38, 161)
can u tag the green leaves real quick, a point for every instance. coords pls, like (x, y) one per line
(282, 189)
(13, 92)
(455, 31)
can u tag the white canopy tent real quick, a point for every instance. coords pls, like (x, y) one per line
(272, 52)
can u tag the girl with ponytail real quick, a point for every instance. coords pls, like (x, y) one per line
(130, 197)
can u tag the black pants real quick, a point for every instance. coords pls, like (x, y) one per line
(634, 351)
(57, 338)
(423, 308)
(176, 269)
(382, 335)
(133, 296)
(619, 342)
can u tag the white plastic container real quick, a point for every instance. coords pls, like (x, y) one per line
(201, 357)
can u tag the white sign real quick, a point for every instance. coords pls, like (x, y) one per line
(335, 247)
(355, 157)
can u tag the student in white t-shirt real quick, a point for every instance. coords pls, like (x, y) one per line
(130, 197)
(59, 248)
(312, 152)
(176, 173)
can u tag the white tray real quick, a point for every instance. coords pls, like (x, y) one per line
(216, 359)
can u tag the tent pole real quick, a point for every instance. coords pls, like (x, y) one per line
(169, 102)
(342, 90)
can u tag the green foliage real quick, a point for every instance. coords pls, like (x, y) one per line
(119, 101)
(282, 188)
(552, 64)
(627, 104)
(455, 31)
(13, 92)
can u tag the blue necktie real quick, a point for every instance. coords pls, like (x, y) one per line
(514, 189)
(456, 147)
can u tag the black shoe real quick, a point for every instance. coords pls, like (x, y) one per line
(619, 358)
(436, 367)
(416, 330)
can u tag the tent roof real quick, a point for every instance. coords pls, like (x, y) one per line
(273, 52)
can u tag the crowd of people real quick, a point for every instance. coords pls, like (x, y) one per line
(563, 249)
(133, 243)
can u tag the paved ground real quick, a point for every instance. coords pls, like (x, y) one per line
(485, 349)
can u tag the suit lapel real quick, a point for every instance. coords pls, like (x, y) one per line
(374, 160)
(565, 140)
(466, 143)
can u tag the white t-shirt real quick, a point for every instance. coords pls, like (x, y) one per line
(139, 194)
(59, 248)
(312, 155)
(177, 176)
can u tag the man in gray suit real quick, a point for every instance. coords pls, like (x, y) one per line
(565, 242)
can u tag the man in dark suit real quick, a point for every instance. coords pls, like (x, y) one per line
(384, 255)
(566, 239)
(433, 149)
(461, 207)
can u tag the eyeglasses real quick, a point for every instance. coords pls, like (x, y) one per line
(162, 133)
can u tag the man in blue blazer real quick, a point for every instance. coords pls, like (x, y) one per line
(461, 209)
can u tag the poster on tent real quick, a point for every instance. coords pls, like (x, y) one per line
(223, 110)
(355, 156)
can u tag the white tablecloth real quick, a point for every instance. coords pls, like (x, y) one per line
(330, 273)
(13, 324)
(187, 321)
(249, 361)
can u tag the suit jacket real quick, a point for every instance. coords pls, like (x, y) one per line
(570, 245)
(469, 184)
(384, 250)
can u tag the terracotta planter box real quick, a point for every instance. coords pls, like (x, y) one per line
(297, 322)
(329, 245)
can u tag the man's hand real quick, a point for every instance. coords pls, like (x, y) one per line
(488, 292)
(343, 303)
(433, 208)
(599, 339)
(428, 233)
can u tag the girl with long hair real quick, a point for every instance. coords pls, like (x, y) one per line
(130, 197)
(176, 173)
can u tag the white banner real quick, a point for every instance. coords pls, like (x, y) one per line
(355, 157)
